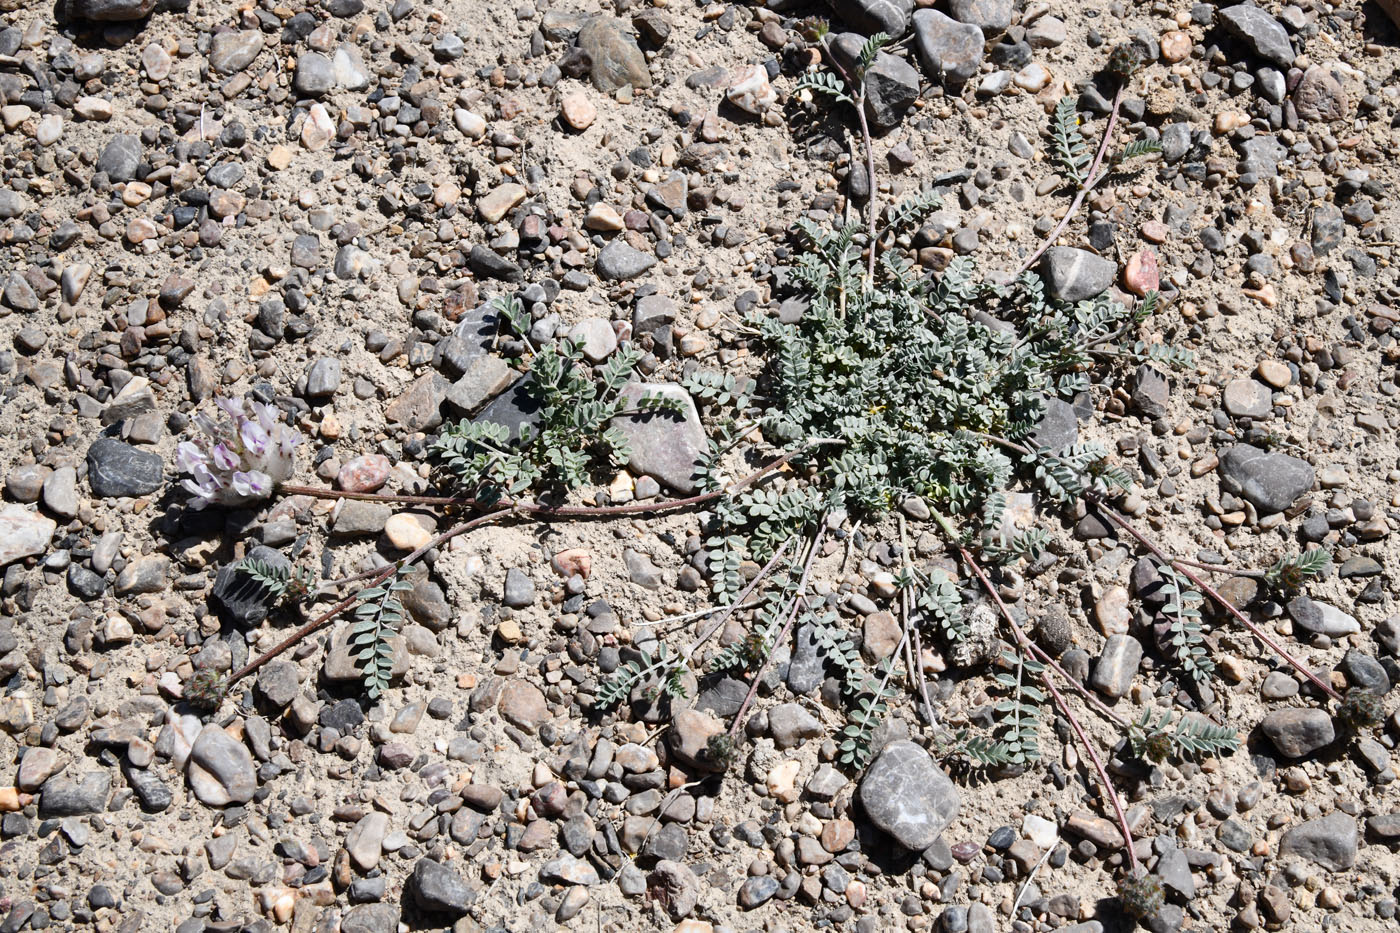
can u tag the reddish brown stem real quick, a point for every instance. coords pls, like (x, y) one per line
(1090, 180)
(546, 512)
(797, 604)
(1219, 600)
(1108, 788)
(376, 577)
(1063, 705)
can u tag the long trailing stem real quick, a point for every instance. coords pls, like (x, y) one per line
(547, 512)
(798, 601)
(1263, 636)
(378, 577)
(1021, 637)
(1109, 790)
(1184, 568)
(1091, 180)
(857, 85)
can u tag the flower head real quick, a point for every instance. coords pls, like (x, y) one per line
(239, 459)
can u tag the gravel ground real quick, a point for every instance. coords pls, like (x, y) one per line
(304, 201)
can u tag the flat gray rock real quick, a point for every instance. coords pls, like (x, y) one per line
(118, 469)
(667, 447)
(1298, 732)
(1264, 35)
(1271, 481)
(439, 889)
(949, 50)
(1076, 274)
(908, 796)
(871, 16)
(221, 769)
(618, 262)
(1117, 665)
(991, 16)
(1330, 841)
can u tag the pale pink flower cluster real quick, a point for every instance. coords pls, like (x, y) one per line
(239, 460)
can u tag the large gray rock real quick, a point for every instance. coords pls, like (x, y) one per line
(1271, 481)
(371, 918)
(1264, 35)
(872, 16)
(1320, 97)
(1075, 274)
(120, 158)
(618, 262)
(1321, 618)
(1117, 665)
(1298, 732)
(110, 11)
(949, 50)
(1330, 841)
(221, 769)
(891, 87)
(991, 16)
(908, 796)
(439, 889)
(617, 61)
(239, 599)
(118, 469)
(61, 796)
(665, 446)
(234, 50)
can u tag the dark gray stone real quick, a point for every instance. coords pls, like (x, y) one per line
(1330, 841)
(618, 262)
(240, 599)
(790, 724)
(371, 918)
(665, 446)
(1116, 666)
(516, 408)
(439, 889)
(1298, 732)
(1076, 274)
(154, 794)
(1365, 672)
(118, 469)
(314, 76)
(949, 50)
(1059, 426)
(120, 157)
(871, 16)
(1271, 481)
(110, 11)
(278, 683)
(519, 589)
(1264, 35)
(891, 87)
(62, 796)
(757, 891)
(908, 796)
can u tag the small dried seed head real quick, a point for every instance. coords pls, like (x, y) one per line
(1125, 61)
(1361, 709)
(812, 28)
(1157, 746)
(1141, 895)
(722, 750)
(205, 689)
